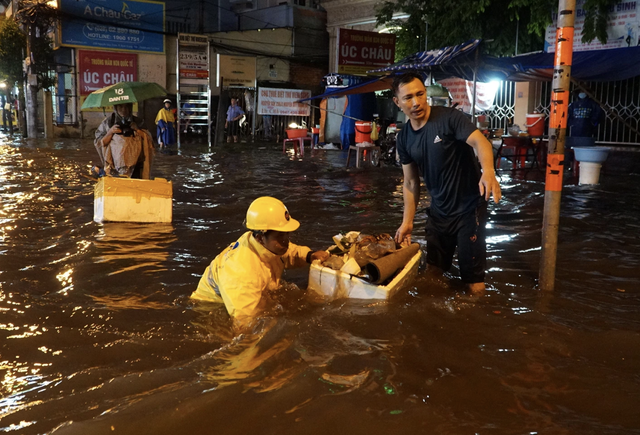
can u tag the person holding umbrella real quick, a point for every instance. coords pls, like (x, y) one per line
(124, 147)
(166, 122)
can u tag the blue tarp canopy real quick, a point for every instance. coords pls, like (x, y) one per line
(589, 66)
(460, 61)
(454, 61)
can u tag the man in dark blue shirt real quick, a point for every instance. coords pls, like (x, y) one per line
(584, 116)
(439, 143)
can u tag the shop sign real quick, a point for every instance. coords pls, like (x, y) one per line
(116, 24)
(98, 69)
(194, 62)
(359, 51)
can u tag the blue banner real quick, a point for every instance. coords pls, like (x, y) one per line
(114, 24)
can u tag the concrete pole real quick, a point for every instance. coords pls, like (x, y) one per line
(557, 135)
(31, 87)
(48, 115)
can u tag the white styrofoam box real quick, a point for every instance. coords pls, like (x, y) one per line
(133, 200)
(334, 284)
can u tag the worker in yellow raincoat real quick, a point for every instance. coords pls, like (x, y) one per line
(253, 265)
(166, 122)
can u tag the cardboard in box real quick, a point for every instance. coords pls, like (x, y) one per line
(133, 200)
(334, 284)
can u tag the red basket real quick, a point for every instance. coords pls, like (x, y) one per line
(293, 133)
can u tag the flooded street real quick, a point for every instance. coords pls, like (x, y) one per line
(99, 335)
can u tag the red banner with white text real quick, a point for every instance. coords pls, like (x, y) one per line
(98, 69)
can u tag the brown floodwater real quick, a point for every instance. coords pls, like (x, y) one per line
(99, 335)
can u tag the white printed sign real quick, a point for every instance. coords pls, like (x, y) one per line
(623, 29)
(194, 62)
(236, 71)
(461, 91)
(273, 101)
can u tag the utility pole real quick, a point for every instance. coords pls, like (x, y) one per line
(557, 135)
(37, 17)
(426, 33)
(31, 86)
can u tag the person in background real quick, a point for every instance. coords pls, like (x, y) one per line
(266, 123)
(7, 112)
(439, 143)
(243, 273)
(248, 108)
(232, 124)
(166, 122)
(185, 114)
(584, 116)
(125, 147)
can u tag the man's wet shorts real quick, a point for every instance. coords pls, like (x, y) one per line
(468, 233)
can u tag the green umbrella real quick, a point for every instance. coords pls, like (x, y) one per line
(123, 92)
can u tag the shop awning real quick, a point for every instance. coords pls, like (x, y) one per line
(371, 85)
(454, 61)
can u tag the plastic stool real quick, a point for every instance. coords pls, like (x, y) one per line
(360, 152)
(298, 144)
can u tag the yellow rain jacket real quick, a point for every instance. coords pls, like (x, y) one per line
(245, 269)
(165, 115)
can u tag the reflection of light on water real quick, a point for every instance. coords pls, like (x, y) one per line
(537, 248)
(66, 280)
(45, 349)
(13, 427)
(18, 376)
(501, 239)
(129, 302)
(521, 310)
(139, 245)
(32, 332)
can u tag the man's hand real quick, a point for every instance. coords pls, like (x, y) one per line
(320, 255)
(489, 186)
(115, 129)
(403, 235)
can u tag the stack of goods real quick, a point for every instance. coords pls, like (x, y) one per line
(374, 258)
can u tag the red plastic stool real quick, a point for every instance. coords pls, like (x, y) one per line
(298, 144)
(519, 150)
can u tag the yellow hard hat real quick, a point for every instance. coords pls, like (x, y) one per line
(267, 213)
